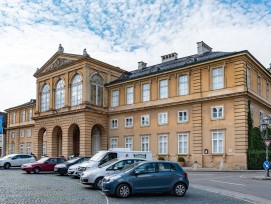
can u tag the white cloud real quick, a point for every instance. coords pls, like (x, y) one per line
(121, 33)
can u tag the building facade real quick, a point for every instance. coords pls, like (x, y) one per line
(194, 106)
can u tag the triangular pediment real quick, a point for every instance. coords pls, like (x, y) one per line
(56, 62)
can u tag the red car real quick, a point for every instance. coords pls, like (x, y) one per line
(44, 164)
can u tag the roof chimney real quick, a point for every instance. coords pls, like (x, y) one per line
(203, 48)
(169, 57)
(142, 65)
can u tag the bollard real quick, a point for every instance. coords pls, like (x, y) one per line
(221, 165)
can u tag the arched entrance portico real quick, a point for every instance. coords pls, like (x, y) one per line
(42, 144)
(95, 139)
(74, 140)
(57, 141)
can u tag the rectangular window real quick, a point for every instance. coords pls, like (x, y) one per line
(261, 116)
(23, 116)
(259, 85)
(217, 142)
(182, 116)
(29, 114)
(13, 118)
(21, 148)
(183, 143)
(163, 88)
(12, 146)
(145, 120)
(114, 123)
(217, 112)
(145, 92)
(248, 78)
(217, 78)
(251, 111)
(163, 148)
(267, 91)
(129, 122)
(114, 142)
(130, 95)
(13, 135)
(129, 142)
(28, 133)
(145, 143)
(44, 148)
(162, 118)
(22, 133)
(115, 98)
(183, 85)
(28, 148)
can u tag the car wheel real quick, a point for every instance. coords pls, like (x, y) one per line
(7, 165)
(36, 170)
(179, 190)
(98, 183)
(123, 191)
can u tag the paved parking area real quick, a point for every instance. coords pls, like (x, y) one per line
(19, 187)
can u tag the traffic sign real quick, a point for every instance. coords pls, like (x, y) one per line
(267, 143)
(266, 165)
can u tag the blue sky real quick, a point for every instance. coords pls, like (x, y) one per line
(122, 32)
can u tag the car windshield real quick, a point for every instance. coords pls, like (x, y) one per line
(108, 163)
(73, 160)
(42, 160)
(128, 168)
(98, 156)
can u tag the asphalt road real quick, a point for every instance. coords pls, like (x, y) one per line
(242, 185)
(19, 187)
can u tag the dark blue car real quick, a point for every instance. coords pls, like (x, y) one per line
(149, 176)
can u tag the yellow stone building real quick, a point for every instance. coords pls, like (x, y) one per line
(194, 106)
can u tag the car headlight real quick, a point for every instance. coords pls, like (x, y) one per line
(28, 166)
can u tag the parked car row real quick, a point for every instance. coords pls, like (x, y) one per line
(119, 172)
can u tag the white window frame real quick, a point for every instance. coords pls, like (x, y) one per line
(163, 144)
(163, 88)
(12, 148)
(146, 92)
(12, 135)
(30, 115)
(28, 148)
(145, 120)
(76, 90)
(267, 90)
(114, 142)
(218, 143)
(115, 98)
(13, 118)
(259, 84)
(23, 116)
(129, 122)
(22, 133)
(251, 111)
(183, 85)
(217, 78)
(60, 94)
(114, 123)
(217, 109)
(145, 143)
(129, 142)
(21, 148)
(261, 116)
(28, 133)
(162, 118)
(183, 145)
(248, 78)
(130, 95)
(45, 98)
(184, 117)
(44, 148)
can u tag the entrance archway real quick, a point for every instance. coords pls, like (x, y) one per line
(57, 141)
(42, 143)
(74, 138)
(95, 139)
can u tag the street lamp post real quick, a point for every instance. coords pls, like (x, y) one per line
(264, 126)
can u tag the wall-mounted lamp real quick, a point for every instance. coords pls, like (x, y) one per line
(205, 151)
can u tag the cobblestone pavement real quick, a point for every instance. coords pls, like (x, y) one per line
(19, 187)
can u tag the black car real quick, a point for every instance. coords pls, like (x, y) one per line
(62, 168)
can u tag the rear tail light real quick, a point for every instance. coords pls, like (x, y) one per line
(185, 175)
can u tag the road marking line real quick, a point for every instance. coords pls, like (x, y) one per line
(107, 201)
(237, 184)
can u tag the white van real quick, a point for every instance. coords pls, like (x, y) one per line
(106, 155)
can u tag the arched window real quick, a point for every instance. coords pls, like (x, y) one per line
(76, 90)
(59, 94)
(45, 98)
(97, 90)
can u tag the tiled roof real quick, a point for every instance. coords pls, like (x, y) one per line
(173, 64)
(31, 102)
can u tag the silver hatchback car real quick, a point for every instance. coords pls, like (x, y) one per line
(95, 176)
(16, 160)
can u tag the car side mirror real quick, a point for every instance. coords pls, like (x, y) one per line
(46, 162)
(137, 172)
